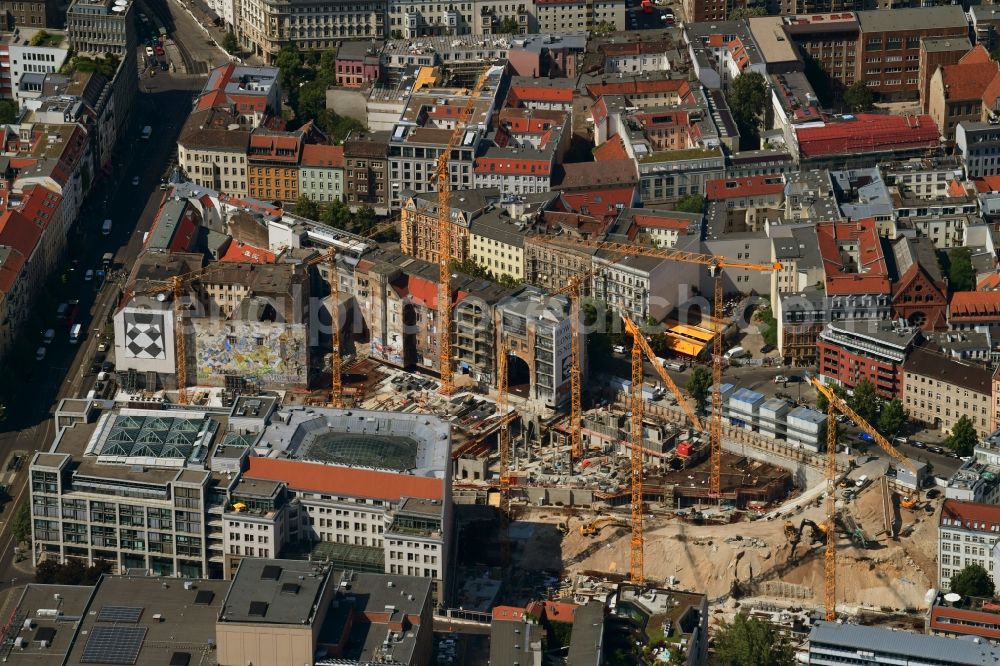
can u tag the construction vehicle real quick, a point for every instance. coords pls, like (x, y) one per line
(836, 404)
(443, 176)
(908, 502)
(715, 266)
(596, 525)
(794, 534)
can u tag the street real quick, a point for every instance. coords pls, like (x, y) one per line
(163, 103)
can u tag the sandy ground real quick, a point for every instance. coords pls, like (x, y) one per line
(891, 574)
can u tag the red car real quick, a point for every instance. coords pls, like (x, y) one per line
(158, 50)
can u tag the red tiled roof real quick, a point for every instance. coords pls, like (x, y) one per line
(970, 515)
(599, 111)
(559, 611)
(548, 94)
(969, 622)
(868, 133)
(660, 222)
(508, 613)
(513, 165)
(987, 184)
(344, 481)
(872, 273)
(10, 270)
(626, 88)
(735, 188)
(956, 189)
(243, 253)
(599, 203)
(322, 155)
(19, 232)
(969, 78)
(974, 304)
(989, 283)
(612, 149)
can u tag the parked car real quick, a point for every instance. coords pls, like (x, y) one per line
(89, 275)
(135, 180)
(49, 336)
(149, 52)
(918, 445)
(865, 437)
(158, 50)
(618, 349)
(936, 449)
(780, 379)
(40, 354)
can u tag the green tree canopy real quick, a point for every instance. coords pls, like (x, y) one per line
(741, 13)
(973, 581)
(307, 208)
(289, 64)
(961, 274)
(508, 26)
(963, 437)
(692, 203)
(230, 43)
(859, 98)
(699, 384)
(866, 401)
(747, 97)
(8, 111)
(893, 417)
(21, 523)
(751, 642)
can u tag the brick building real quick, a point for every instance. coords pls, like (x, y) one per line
(889, 54)
(936, 52)
(831, 40)
(366, 171)
(919, 290)
(854, 350)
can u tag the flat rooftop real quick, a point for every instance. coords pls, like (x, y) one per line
(274, 592)
(152, 618)
(55, 612)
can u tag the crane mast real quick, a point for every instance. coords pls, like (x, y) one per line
(444, 238)
(637, 545)
(504, 434)
(830, 557)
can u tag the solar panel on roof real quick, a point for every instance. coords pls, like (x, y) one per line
(204, 597)
(113, 645)
(129, 614)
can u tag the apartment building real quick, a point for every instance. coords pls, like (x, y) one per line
(99, 27)
(643, 287)
(252, 94)
(358, 63)
(366, 171)
(556, 16)
(212, 151)
(551, 266)
(936, 53)
(864, 349)
(25, 61)
(979, 146)
(525, 150)
(967, 534)
(310, 25)
(836, 643)
(418, 222)
(537, 331)
(29, 14)
(273, 163)
(889, 48)
(424, 130)
(832, 40)
(938, 390)
(321, 173)
(411, 19)
(856, 272)
(956, 91)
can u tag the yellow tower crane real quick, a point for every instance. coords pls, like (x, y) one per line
(836, 404)
(444, 237)
(715, 265)
(637, 543)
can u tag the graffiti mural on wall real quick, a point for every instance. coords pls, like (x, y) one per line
(275, 354)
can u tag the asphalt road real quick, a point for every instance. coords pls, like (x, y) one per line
(65, 371)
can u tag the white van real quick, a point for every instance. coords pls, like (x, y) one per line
(106, 227)
(74, 333)
(736, 352)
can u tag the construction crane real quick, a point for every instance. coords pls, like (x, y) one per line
(637, 543)
(336, 361)
(504, 433)
(633, 329)
(836, 404)
(444, 237)
(176, 286)
(715, 266)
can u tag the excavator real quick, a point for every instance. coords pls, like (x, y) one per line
(794, 534)
(595, 526)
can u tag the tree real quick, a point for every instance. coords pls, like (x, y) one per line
(8, 111)
(230, 43)
(961, 274)
(973, 581)
(602, 28)
(289, 63)
(751, 642)
(741, 13)
(963, 437)
(866, 401)
(21, 523)
(692, 203)
(893, 417)
(858, 97)
(311, 101)
(698, 386)
(821, 401)
(508, 26)
(307, 208)
(336, 214)
(747, 95)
